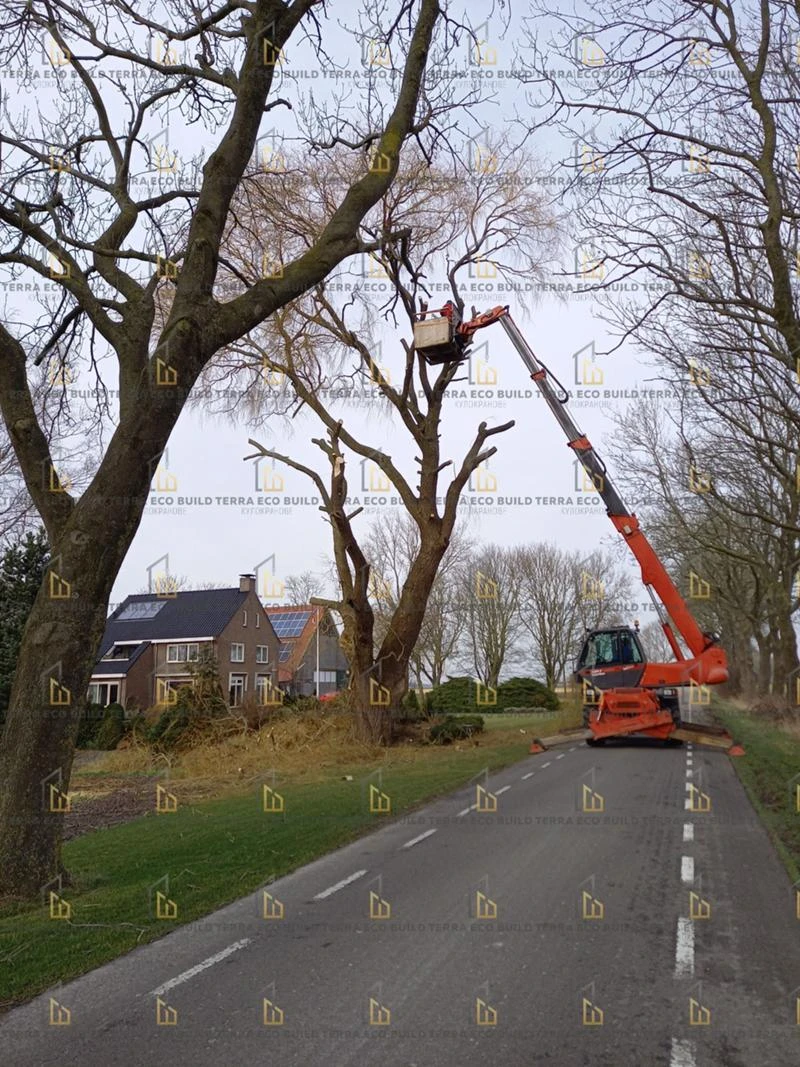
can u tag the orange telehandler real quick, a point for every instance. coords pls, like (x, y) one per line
(623, 693)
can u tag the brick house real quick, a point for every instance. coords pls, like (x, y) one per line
(150, 642)
(309, 642)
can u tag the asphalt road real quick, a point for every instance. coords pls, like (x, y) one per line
(533, 983)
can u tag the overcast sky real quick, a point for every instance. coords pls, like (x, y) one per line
(212, 514)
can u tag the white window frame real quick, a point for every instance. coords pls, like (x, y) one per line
(325, 677)
(188, 657)
(237, 659)
(258, 621)
(244, 617)
(243, 678)
(106, 686)
(259, 650)
(262, 681)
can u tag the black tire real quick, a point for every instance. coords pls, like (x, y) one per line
(593, 742)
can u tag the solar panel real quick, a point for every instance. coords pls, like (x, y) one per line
(289, 623)
(284, 655)
(140, 609)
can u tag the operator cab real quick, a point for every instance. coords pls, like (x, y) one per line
(611, 658)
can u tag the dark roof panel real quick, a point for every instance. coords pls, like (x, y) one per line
(194, 613)
(288, 623)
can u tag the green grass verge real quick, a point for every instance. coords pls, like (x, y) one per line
(772, 760)
(212, 852)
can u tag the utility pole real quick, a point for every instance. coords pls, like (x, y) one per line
(319, 620)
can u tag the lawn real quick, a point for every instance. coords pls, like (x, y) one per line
(212, 851)
(770, 772)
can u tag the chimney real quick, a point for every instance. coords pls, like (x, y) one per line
(247, 583)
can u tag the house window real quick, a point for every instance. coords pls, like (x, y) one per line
(236, 689)
(262, 689)
(103, 693)
(258, 621)
(262, 654)
(122, 651)
(325, 676)
(237, 653)
(244, 618)
(182, 653)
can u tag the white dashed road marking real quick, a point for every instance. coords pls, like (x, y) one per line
(186, 975)
(528, 775)
(339, 885)
(682, 1053)
(687, 869)
(561, 756)
(684, 948)
(416, 840)
(504, 789)
(688, 831)
(545, 764)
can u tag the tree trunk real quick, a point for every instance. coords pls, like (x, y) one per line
(57, 655)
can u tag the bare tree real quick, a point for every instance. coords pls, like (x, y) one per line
(391, 546)
(491, 588)
(448, 223)
(77, 214)
(300, 588)
(561, 594)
